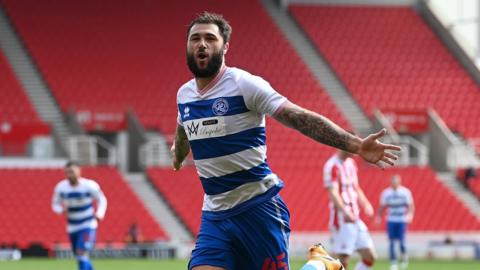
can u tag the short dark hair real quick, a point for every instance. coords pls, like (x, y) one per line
(213, 18)
(72, 163)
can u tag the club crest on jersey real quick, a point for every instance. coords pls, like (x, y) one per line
(186, 112)
(220, 106)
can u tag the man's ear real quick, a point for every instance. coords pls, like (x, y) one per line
(225, 48)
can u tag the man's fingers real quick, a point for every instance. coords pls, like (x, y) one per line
(390, 156)
(379, 134)
(392, 147)
(388, 161)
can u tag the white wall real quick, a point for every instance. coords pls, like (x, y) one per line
(461, 18)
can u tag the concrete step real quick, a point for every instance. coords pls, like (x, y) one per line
(31, 80)
(158, 208)
(470, 201)
(318, 66)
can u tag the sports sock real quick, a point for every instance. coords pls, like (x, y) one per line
(364, 265)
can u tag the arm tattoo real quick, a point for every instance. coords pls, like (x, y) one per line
(182, 147)
(317, 127)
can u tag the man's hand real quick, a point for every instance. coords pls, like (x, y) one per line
(349, 216)
(368, 210)
(409, 218)
(175, 162)
(374, 151)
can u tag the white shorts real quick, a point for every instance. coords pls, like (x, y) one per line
(350, 237)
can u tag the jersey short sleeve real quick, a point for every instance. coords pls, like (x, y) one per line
(330, 176)
(408, 194)
(179, 119)
(259, 95)
(383, 197)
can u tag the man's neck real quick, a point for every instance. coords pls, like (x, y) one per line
(73, 183)
(203, 82)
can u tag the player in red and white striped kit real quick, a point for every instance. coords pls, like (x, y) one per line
(349, 233)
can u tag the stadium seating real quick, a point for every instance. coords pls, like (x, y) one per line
(389, 58)
(183, 191)
(101, 57)
(25, 196)
(18, 119)
(474, 186)
(308, 200)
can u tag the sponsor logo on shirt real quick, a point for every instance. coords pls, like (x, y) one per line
(205, 128)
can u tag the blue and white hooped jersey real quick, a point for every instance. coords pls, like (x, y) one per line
(225, 126)
(397, 201)
(77, 202)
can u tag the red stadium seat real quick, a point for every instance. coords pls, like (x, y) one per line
(27, 216)
(391, 53)
(18, 120)
(131, 60)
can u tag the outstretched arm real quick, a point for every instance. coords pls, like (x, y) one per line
(325, 131)
(180, 148)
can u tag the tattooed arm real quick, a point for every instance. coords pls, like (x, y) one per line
(180, 148)
(321, 129)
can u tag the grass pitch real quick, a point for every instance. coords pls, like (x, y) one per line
(124, 264)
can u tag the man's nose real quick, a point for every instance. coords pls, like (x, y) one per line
(202, 44)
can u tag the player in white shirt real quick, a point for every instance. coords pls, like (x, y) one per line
(221, 118)
(399, 202)
(349, 232)
(74, 197)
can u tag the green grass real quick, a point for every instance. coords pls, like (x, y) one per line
(123, 264)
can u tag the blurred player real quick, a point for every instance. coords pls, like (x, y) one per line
(221, 117)
(398, 199)
(349, 233)
(73, 197)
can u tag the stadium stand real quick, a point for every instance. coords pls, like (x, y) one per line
(308, 200)
(18, 120)
(388, 57)
(96, 60)
(100, 64)
(25, 196)
(182, 190)
(474, 186)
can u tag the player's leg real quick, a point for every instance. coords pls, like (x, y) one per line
(84, 245)
(212, 248)
(343, 246)
(393, 231)
(403, 249)
(364, 246)
(82, 242)
(392, 237)
(261, 236)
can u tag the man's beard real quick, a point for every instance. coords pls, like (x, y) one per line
(212, 68)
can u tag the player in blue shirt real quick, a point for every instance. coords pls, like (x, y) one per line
(221, 118)
(398, 200)
(74, 197)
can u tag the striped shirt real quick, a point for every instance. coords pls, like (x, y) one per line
(342, 174)
(225, 126)
(397, 201)
(77, 202)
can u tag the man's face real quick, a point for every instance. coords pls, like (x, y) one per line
(72, 173)
(205, 50)
(396, 181)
